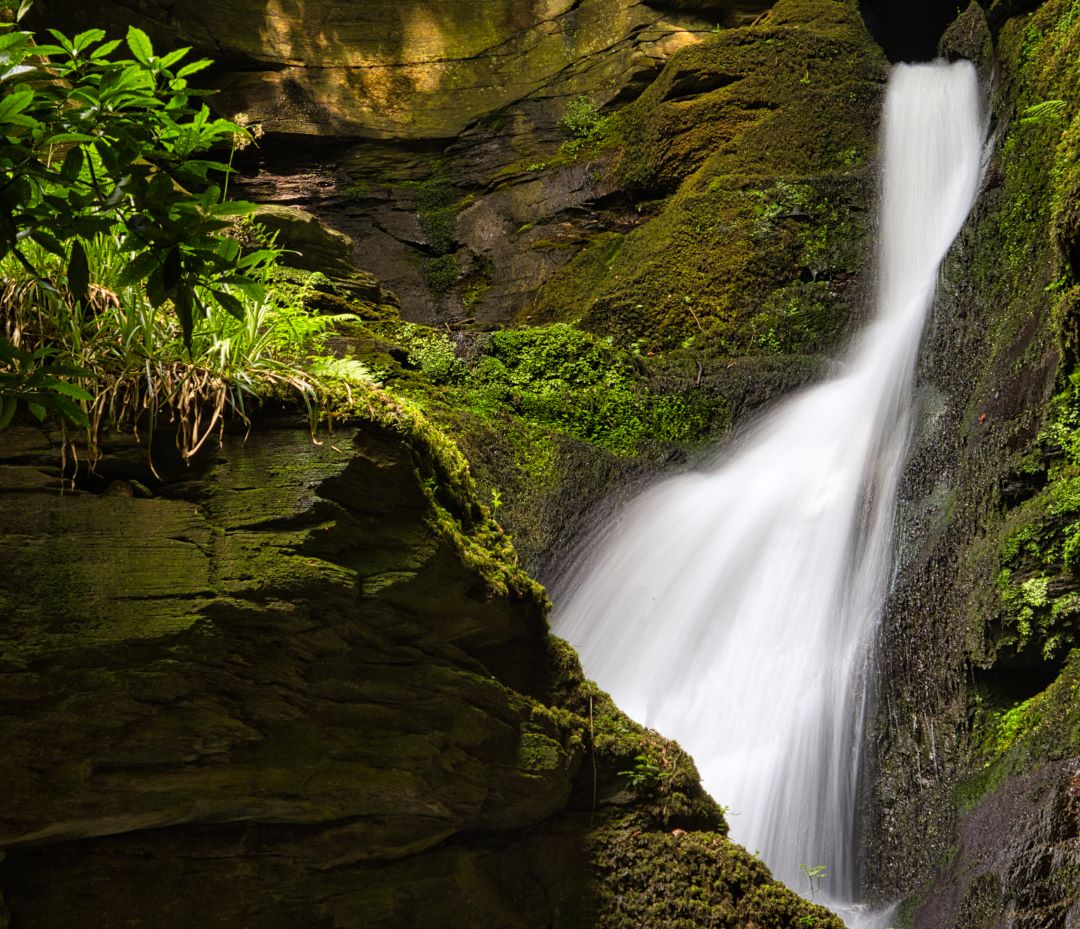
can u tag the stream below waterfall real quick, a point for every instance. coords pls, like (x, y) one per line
(735, 608)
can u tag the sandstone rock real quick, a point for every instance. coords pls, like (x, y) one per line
(301, 684)
(404, 68)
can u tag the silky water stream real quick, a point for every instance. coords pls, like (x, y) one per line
(734, 608)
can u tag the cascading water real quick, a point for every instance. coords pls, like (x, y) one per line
(733, 609)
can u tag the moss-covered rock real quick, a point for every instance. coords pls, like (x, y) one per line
(754, 251)
(405, 68)
(309, 679)
(971, 781)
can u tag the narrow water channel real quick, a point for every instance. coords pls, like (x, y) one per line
(733, 608)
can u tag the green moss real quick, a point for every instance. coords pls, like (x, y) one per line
(684, 881)
(1011, 740)
(752, 213)
(441, 274)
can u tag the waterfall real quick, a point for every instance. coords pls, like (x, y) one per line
(733, 608)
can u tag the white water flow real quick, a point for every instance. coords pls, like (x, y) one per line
(733, 609)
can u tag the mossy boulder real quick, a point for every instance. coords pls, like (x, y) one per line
(309, 680)
(754, 249)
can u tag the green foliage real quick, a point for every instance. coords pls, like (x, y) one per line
(581, 118)
(814, 875)
(129, 286)
(646, 773)
(587, 128)
(432, 353)
(134, 359)
(568, 380)
(440, 274)
(96, 146)
(1047, 111)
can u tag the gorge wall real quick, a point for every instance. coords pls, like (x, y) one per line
(611, 230)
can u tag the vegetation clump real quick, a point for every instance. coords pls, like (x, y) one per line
(132, 289)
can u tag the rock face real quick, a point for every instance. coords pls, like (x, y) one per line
(412, 69)
(303, 684)
(972, 796)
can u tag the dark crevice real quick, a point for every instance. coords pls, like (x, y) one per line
(690, 84)
(908, 31)
(1009, 684)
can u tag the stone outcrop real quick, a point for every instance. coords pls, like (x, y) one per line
(412, 69)
(304, 683)
(971, 786)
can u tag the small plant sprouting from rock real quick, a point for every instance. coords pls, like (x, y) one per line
(814, 874)
(581, 117)
(582, 120)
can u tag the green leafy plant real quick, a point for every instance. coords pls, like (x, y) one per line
(129, 286)
(1046, 111)
(582, 120)
(581, 117)
(644, 773)
(95, 146)
(814, 875)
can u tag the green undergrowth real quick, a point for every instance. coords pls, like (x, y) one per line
(1036, 545)
(657, 844)
(687, 880)
(539, 406)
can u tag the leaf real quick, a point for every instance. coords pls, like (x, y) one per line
(230, 304)
(83, 39)
(232, 208)
(13, 40)
(107, 49)
(67, 138)
(37, 409)
(48, 242)
(248, 288)
(257, 257)
(140, 45)
(173, 57)
(7, 411)
(71, 390)
(172, 268)
(70, 411)
(24, 8)
(184, 301)
(73, 165)
(14, 103)
(155, 290)
(16, 71)
(63, 40)
(78, 275)
(138, 268)
(194, 67)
